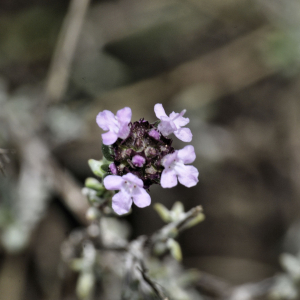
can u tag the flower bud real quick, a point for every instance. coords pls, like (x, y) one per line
(113, 169)
(154, 134)
(138, 160)
(150, 152)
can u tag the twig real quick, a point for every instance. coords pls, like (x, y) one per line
(214, 286)
(175, 227)
(64, 52)
(252, 290)
(4, 159)
(153, 285)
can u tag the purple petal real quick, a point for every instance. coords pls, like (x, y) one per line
(133, 179)
(121, 203)
(184, 134)
(113, 168)
(124, 115)
(138, 160)
(113, 182)
(106, 119)
(189, 177)
(169, 159)
(187, 154)
(166, 126)
(141, 198)
(168, 179)
(109, 138)
(159, 111)
(181, 121)
(124, 131)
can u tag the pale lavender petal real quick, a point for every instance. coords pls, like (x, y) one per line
(133, 179)
(189, 177)
(181, 121)
(105, 119)
(169, 159)
(109, 138)
(187, 154)
(159, 111)
(124, 115)
(121, 203)
(173, 115)
(168, 179)
(113, 168)
(113, 182)
(184, 134)
(124, 131)
(141, 198)
(166, 126)
(138, 160)
(154, 133)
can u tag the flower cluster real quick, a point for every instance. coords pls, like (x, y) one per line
(140, 154)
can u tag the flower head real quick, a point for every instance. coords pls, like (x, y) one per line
(173, 123)
(175, 167)
(117, 126)
(131, 189)
(141, 153)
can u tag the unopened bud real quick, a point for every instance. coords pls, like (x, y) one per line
(113, 169)
(138, 160)
(154, 133)
(150, 152)
(92, 214)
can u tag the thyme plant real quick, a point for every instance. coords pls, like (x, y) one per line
(136, 155)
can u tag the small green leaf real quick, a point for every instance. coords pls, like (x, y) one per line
(195, 221)
(105, 168)
(175, 249)
(92, 197)
(177, 210)
(85, 285)
(107, 152)
(94, 184)
(92, 214)
(156, 123)
(95, 166)
(163, 212)
(76, 264)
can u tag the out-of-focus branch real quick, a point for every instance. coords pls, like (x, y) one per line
(70, 192)
(153, 285)
(214, 286)
(64, 52)
(4, 159)
(40, 166)
(13, 277)
(176, 227)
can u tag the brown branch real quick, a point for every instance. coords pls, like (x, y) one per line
(64, 52)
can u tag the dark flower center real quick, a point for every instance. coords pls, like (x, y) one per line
(152, 147)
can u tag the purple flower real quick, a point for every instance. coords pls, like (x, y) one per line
(117, 126)
(131, 189)
(138, 160)
(174, 164)
(173, 123)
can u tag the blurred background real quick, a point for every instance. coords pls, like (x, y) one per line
(233, 65)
